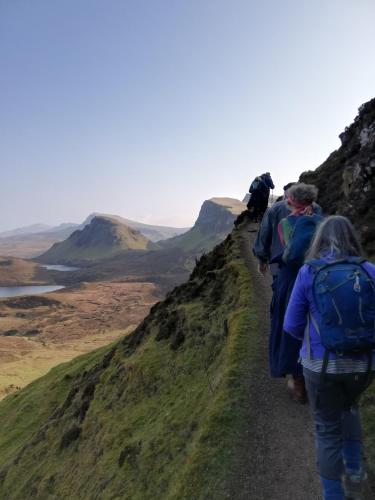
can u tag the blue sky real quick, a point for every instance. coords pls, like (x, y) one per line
(145, 108)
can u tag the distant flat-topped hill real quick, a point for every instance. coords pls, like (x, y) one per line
(102, 238)
(215, 221)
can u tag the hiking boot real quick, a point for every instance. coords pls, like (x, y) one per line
(353, 485)
(297, 388)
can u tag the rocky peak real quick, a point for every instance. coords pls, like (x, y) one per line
(217, 214)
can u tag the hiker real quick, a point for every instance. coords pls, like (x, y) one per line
(295, 233)
(267, 244)
(268, 182)
(332, 309)
(259, 195)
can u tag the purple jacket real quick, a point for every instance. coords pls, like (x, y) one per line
(300, 304)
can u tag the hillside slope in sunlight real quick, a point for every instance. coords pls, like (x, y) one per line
(102, 238)
(152, 416)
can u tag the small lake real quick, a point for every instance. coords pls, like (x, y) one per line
(58, 267)
(16, 291)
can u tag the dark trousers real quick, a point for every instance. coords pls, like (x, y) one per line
(337, 426)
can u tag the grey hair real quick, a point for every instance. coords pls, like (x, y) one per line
(304, 193)
(336, 235)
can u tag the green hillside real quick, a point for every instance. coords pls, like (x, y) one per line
(103, 238)
(156, 415)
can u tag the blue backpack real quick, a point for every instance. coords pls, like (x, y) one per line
(299, 235)
(344, 294)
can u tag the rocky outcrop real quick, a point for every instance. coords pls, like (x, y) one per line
(214, 223)
(346, 180)
(218, 214)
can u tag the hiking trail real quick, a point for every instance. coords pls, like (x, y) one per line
(276, 460)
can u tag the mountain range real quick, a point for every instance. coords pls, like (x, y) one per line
(31, 241)
(106, 237)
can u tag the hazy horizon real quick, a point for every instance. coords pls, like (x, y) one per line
(146, 109)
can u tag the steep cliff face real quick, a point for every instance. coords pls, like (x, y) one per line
(346, 180)
(218, 214)
(214, 223)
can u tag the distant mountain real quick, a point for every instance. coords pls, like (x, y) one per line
(152, 232)
(214, 223)
(102, 238)
(30, 245)
(31, 241)
(34, 228)
(68, 227)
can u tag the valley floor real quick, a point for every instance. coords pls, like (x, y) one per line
(39, 332)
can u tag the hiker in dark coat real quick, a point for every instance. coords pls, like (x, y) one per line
(259, 195)
(283, 350)
(268, 183)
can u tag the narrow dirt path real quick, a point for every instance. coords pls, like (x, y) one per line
(276, 459)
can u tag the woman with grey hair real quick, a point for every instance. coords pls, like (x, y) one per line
(295, 232)
(332, 308)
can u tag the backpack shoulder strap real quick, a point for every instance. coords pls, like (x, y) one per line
(317, 264)
(355, 260)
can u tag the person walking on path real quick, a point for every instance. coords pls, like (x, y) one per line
(268, 248)
(259, 195)
(332, 309)
(268, 182)
(267, 245)
(295, 233)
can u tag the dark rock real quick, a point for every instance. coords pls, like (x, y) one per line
(70, 436)
(30, 301)
(129, 454)
(10, 333)
(178, 340)
(31, 333)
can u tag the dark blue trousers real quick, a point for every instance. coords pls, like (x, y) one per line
(283, 348)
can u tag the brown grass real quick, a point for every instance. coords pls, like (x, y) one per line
(33, 340)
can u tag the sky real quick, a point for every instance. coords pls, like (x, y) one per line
(146, 108)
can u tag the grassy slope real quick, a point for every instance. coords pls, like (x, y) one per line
(197, 240)
(17, 272)
(154, 416)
